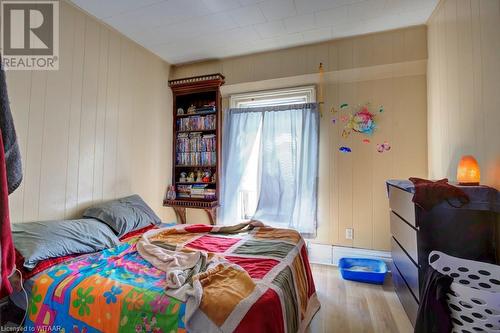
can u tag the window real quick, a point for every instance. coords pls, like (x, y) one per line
(249, 188)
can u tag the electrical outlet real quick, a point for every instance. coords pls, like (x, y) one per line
(349, 233)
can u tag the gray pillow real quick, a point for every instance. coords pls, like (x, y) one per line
(124, 215)
(38, 241)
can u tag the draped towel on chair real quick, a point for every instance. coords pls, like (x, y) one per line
(289, 143)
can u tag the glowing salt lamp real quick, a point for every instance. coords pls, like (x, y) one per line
(468, 171)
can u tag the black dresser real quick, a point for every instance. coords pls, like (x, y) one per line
(469, 232)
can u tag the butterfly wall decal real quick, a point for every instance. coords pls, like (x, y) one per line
(382, 147)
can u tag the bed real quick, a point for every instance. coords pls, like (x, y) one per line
(265, 285)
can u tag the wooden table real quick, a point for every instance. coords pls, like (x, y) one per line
(180, 206)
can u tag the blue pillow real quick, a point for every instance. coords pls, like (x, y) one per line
(124, 215)
(38, 241)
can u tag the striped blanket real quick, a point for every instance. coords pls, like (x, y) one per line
(255, 279)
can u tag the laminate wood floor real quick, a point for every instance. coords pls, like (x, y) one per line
(355, 307)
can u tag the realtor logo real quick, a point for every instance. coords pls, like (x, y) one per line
(30, 35)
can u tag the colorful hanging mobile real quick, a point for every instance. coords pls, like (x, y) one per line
(362, 121)
(359, 119)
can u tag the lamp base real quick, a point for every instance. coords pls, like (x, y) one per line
(468, 184)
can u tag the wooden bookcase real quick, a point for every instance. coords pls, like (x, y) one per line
(196, 144)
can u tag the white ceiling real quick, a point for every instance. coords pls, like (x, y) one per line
(190, 30)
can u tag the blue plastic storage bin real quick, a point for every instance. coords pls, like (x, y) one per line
(363, 270)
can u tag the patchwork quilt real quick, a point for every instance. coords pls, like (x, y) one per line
(262, 283)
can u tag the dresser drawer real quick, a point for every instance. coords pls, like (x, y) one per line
(400, 203)
(405, 235)
(405, 296)
(407, 268)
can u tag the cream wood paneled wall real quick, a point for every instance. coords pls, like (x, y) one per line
(352, 192)
(464, 87)
(97, 129)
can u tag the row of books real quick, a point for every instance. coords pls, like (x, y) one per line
(197, 123)
(196, 142)
(197, 158)
(195, 191)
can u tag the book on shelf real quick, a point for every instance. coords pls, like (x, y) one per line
(197, 123)
(196, 142)
(196, 191)
(197, 159)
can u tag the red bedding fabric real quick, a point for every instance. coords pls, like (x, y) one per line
(265, 315)
(42, 265)
(137, 232)
(212, 243)
(257, 268)
(48, 263)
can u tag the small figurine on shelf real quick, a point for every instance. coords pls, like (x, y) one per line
(206, 176)
(171, 195)
(191, 109)
(180, 111)
(190, 178)
(182, 179)
(199, 176)
(214, 177)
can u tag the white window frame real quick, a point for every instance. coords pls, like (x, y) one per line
(295, 95)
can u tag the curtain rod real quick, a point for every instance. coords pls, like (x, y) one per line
(312, 106)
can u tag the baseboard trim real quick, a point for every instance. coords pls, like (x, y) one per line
(331, 254)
